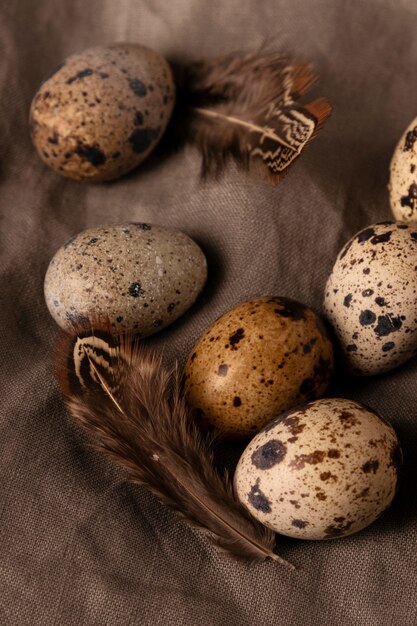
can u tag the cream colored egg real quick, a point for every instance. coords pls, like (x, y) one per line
(371, 298)
(259, 358)
(403, 176)
(103, 111)
(137, 277)
(323, 470)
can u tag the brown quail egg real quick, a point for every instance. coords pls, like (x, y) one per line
(403, 176)
(371, 298)
(323, 470)
(103, 111)
(256, 360)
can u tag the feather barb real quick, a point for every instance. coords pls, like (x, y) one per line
(135, 411)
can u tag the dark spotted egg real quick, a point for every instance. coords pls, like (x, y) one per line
(403, 176)
(323, 470)
(102, 111)
(256, 360)
(371, 298)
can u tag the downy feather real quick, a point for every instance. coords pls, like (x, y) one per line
(244, 107)
(136, 414)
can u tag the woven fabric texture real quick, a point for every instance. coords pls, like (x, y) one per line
(78, 546)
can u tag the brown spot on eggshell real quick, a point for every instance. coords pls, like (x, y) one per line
(91, 111)
(370, 466)
(292, 422)
(313, 459)
(333, 454)
(410, 139)
(327, 475)
(337, 531)
(236, 338)
(299, 523)
(396, 457)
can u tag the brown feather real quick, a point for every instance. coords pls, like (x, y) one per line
(244, 108)
(134, 410)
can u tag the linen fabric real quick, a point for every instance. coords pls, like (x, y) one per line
(78, 545)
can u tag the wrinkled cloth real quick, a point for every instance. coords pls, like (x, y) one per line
(78, 545)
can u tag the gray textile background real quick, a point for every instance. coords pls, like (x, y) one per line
(77, 545)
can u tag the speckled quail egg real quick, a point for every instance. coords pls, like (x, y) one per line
(137, 277)
(259, 358)
(103, 111)
(403, 176)
(323, 470)
(371, 298)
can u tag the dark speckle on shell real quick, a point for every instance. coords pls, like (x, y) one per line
(290, 308)
(81, 74)
(370, 466)
(136, 290)
(367, 317)
(387, 324)
(365, 234)
(138, 87)
(269, 454)
(298, 523)
(92, 154)
(258, 500)
(142, 138)
(312, 459)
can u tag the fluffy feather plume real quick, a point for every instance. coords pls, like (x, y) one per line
(244, 108)
(134, 410)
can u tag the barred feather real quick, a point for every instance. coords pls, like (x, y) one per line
(245, 108)
(134, 410)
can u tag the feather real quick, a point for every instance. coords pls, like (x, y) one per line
(244, 108)
(134, 410)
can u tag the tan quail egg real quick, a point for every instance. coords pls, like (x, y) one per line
(102, 111)
(259, 358)
(371, 298)
(139, 277)
(322, 470)
(403, 176)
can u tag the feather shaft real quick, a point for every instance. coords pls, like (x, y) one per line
(136, 413)
(103, 383)
(265, 132)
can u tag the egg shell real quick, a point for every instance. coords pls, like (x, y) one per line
(259, 358)
(323, 470)
(140, 277)
(403, 176)
(371, 298)
(102, 112)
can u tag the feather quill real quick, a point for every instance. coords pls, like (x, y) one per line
(134, 410)
(244, 107)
